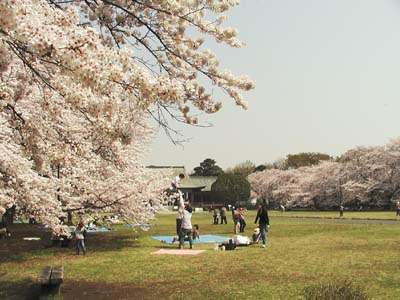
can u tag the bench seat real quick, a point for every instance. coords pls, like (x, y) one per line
(51, 275)
(45, 275)
(57, 275)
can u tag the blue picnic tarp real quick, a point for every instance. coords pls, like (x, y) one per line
(100, 229)
(205, 238)
(139, 225)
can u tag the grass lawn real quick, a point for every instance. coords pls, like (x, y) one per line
(119, 265)
(373, 215)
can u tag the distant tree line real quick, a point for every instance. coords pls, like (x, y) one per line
(365, 177)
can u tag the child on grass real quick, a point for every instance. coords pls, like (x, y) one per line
(196, 232)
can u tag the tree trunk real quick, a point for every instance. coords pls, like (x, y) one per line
(8, 216)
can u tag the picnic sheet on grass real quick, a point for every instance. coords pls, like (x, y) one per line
(32, 238)
(100, 229)
(205, 238)
(139, 225)
(178, 252)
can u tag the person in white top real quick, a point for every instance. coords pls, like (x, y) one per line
(179, 215)
(186, 228)
(177, 183)
(177, 193)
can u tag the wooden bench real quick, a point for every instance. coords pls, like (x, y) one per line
(51, 278)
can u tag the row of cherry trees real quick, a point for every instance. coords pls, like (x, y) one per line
(367, 177)
(79, 80)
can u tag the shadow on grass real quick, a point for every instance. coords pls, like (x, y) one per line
(105, 291)
(19, 290)
(78, 290)
(16, 249)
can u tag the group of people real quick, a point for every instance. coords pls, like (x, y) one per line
(219, 214)
(239, 220)
(63, 234)
(184, 228)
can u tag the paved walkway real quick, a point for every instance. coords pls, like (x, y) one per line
(337, 220)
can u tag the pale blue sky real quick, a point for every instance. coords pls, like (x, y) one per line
(326, 73)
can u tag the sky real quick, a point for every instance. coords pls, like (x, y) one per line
(327, 80)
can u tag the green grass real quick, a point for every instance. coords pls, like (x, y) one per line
(300, 253)
(372, 215)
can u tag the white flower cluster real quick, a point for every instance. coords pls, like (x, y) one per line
(72, 136)
(160, 28)
(77, 80)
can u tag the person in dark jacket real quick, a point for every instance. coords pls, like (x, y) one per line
(262, 218)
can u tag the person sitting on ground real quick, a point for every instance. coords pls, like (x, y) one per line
(55, 235)
(61, 220)
(65, 235)
(186, 228)
(196, 232)
(256, 235)
(61, 234)
(32, 219)
(4, 233)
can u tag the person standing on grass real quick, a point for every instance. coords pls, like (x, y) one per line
(186, 229)
(215, 216)
(397, 208)
(263, 222)
(242, 219)
(178, 196)
(341, 210)
(80, 238)
(236, 219)
(223, 215)
(179, 215)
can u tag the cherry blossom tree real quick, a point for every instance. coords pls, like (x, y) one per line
(374, 174)
(78, 82)
(367, 177)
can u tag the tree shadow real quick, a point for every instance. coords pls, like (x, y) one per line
(19, 290)
(78, 290)
(16, 249)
